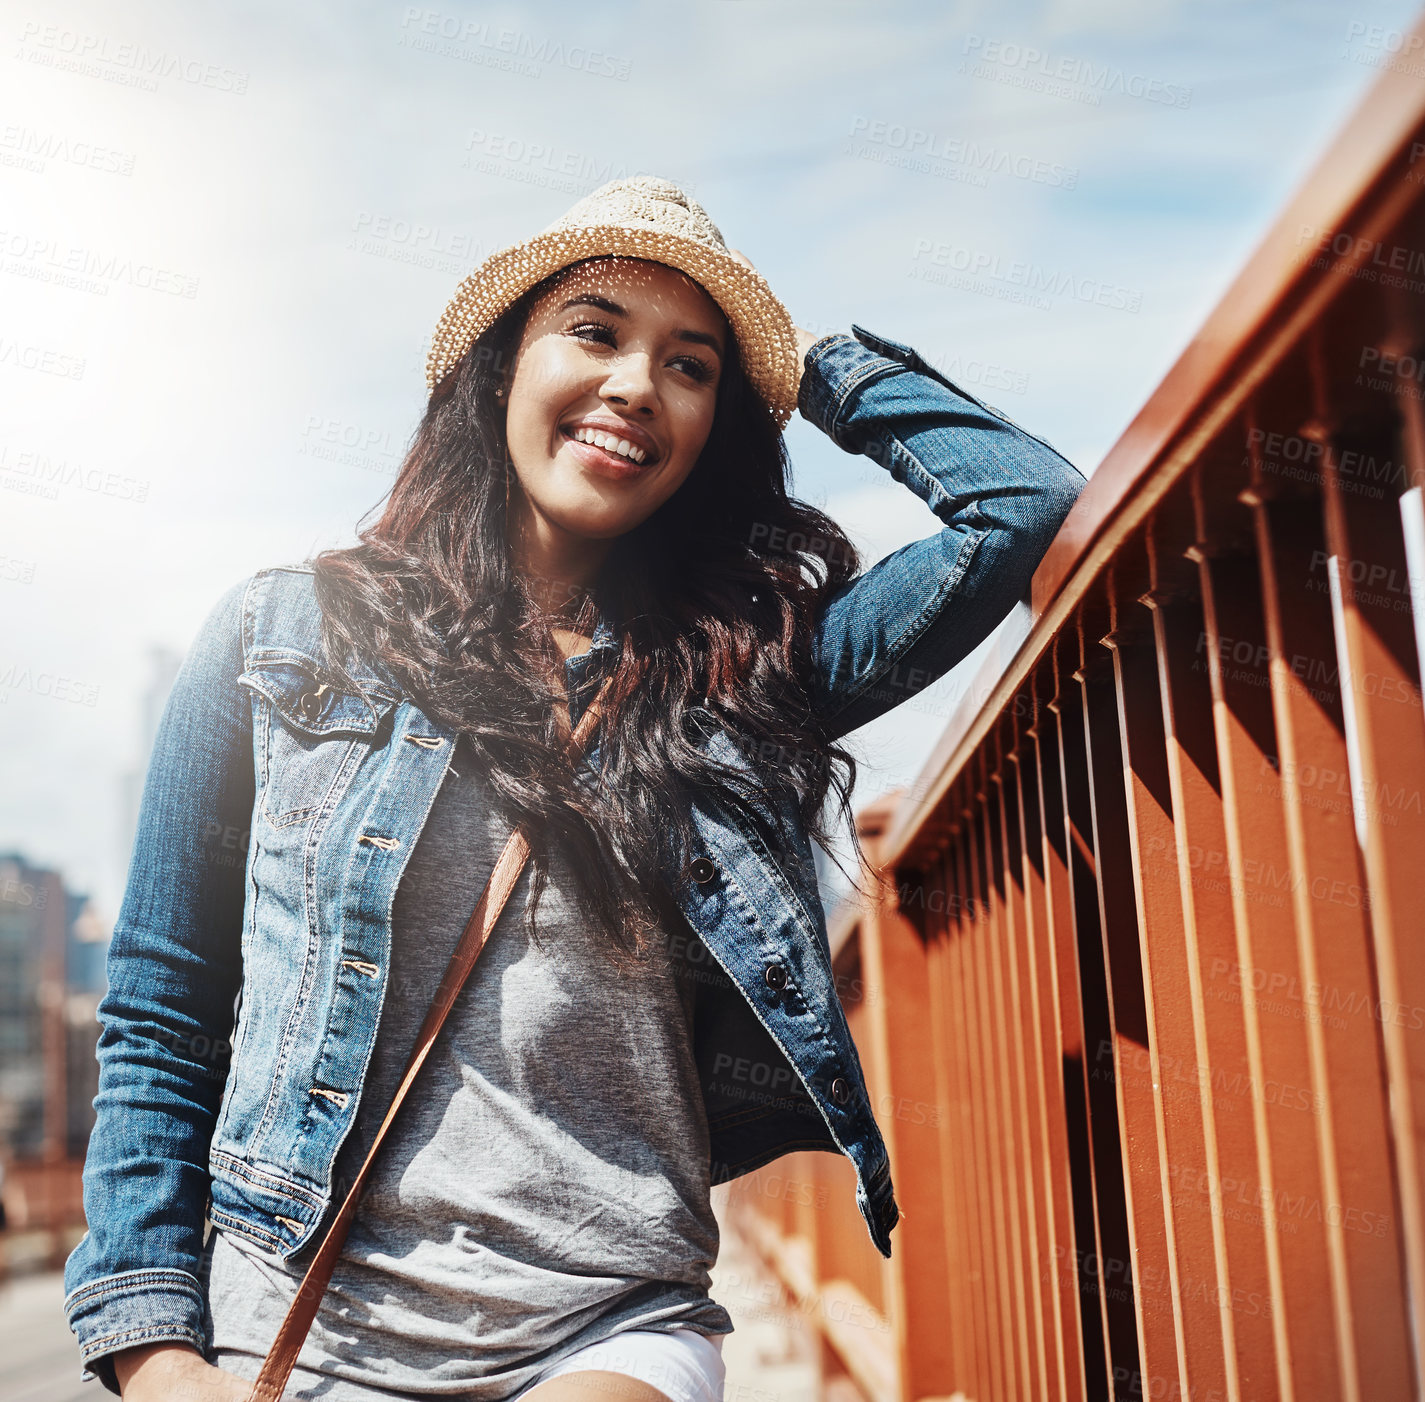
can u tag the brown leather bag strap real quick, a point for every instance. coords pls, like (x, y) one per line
(282, 1357)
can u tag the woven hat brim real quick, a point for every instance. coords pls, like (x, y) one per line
(760, 322)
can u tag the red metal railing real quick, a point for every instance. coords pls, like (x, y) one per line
(1143, 992)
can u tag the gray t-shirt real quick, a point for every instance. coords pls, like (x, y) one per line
(546, 1185)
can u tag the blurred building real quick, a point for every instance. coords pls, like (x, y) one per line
(52, 948)
(86, 948)
(53, 945)
(163, 664)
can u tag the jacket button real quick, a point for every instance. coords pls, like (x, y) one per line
(840, 1090)
(776, 977)
(702, 870)
(309, 704)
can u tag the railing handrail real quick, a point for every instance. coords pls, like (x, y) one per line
(1252, 325)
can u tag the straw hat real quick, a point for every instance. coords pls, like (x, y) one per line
(641, 217)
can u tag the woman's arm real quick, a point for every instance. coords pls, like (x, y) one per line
(1001, 492)
(174, 969)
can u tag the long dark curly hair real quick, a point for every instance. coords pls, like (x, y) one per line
(715, 595)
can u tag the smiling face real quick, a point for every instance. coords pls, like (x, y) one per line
(622, 353)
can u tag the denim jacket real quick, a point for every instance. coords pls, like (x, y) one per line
(248, 963)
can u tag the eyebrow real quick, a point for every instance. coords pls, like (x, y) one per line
(592, 299)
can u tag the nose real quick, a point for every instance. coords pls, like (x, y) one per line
(629, 384)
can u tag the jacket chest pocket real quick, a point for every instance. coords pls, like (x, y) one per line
(309, 738)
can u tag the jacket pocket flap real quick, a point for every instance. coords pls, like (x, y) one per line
(306, 703)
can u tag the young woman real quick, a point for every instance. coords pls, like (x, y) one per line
(596, 493)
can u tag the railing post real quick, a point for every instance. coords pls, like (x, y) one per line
(1065, 1113)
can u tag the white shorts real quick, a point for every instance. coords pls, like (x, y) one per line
(681, 1362)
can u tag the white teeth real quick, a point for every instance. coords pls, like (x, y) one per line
(609, 443)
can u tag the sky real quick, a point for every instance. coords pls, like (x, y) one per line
(226, 234)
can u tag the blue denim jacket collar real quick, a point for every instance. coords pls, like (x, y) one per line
(583, 667)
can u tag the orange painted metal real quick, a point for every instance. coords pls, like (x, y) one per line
(1345, 1042)
(1372, 605)
(1066, 1121)
(1141, 983)
(1228, 1183)
(1279, 1094)
(1026, 1015)
(1171, 1053)
(902, 1082)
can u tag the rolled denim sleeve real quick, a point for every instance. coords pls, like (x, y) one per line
(1001, 492)
(174, 969)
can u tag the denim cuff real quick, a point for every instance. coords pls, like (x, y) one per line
(837, 366)
(137, 1307)
(879, 1210)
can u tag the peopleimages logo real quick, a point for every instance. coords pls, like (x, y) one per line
(1012, 279)
(350, 445)
(19, 676)
(932, 153)
(45, 360)
(1078, 79)
(446, 251)
(547, 166)
(32, 473)
(55, 260)
(16, 571)
(30, 149)
(512, 50)
(120, 61)
(1396, 266)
